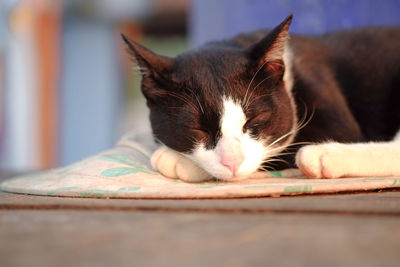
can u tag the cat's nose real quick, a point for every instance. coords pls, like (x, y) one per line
(232, 163)
(231, 154)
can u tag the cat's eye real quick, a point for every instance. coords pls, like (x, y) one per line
(200, 133)
(256, 122)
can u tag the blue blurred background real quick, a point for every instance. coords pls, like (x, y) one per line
(67, 88)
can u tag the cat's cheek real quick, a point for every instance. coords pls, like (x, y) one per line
(253, 152)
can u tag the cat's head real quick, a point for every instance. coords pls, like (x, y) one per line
(225, 107)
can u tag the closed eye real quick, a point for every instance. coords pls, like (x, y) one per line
(257, 121)
(201, 133)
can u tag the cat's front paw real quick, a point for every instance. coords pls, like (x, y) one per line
(322, 161)
(173, 165)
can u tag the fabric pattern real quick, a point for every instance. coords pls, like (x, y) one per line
(125, 172)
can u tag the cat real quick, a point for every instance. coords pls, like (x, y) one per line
(264, 100)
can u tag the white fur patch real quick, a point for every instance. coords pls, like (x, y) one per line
(288, 75)
(233, 119)
(333, 160)
(397, 137)
(289, 81)
(174, 165)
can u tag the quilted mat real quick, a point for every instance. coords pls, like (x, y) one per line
(125, 172)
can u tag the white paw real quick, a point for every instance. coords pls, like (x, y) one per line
(173, 165)
(322, 161)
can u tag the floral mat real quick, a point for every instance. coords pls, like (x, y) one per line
(125, 172)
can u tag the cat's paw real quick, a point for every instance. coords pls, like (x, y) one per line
(322, 161)
(173, 165)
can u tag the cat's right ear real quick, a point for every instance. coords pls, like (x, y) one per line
(150, 64)
(269, 51)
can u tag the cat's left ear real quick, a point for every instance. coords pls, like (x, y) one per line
(149, 62)
(269, 51)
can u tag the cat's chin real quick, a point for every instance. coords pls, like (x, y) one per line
(223, 174)
(209, 161)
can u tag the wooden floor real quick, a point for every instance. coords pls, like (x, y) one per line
(332, 230)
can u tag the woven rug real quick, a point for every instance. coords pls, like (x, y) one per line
(125, 172)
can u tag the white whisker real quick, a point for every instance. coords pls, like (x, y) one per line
(280, 138)
(254, 99)
(282, 154)
(277, 160)
(251, 81)
(270, 152)
(198, 101)
(267, 170)
(252, 90)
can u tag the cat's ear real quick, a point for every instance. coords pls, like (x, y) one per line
(269, 51)
(150, 63)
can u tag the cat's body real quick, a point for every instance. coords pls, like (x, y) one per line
(349, 80)
(231, 107)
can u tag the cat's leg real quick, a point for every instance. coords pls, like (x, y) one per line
(333, 160)
(172, 164)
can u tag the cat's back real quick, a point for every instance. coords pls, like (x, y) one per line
(369, 54)
(366, 64)
(376, 40)
(369, 49)
(362, 40)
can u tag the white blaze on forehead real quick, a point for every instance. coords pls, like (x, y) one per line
(233, 119)
(232, 144)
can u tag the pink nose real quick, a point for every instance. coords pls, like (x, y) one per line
(231, 163)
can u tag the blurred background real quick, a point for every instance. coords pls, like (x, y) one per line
(67, 88)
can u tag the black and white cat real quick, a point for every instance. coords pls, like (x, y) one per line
(231, 109)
